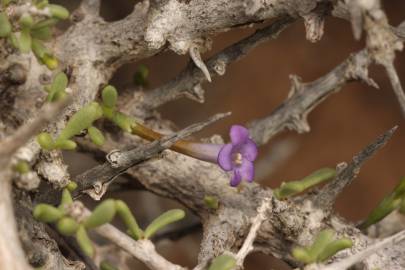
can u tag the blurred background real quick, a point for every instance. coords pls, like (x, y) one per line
(252, 88)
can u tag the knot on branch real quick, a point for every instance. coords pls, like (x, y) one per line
(52, 168)
(357, 69)
(296, 85)
(299, 123)
(381, 41)
(196, 93)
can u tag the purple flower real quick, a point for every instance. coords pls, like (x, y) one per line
(238, 156)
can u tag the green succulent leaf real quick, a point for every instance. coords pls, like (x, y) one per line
(141, 76)
(211, 202)
(163, 220)
(96, 136)
(58, 12)
(324, 238)
(66, 198)
(333, 248)
(58, 85)
(50, 61)
(102, 214)
(45, 23)
(26, 20)
(295, 187)
(65, 144)
(129, 220)
(67, 226)
(322, 249)
(25, 41)
(12, 38)
(43, 33)
(45, 140)
(302, 255)
(223, 262)
(84, 241)
(41, 3)
(104, 265)
(81, 120)
(5, 25)
(386, 206)
(109, 96)
(71, 186)
(22, 167)
(123, 121)
(47, 213)
(39, 49)
(5, 2)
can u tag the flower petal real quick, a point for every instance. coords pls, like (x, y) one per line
(238, 134)
(236, 178)
(247, 170)
(249, 150)
(225, 157)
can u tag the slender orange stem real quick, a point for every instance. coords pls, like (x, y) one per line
(204, 151)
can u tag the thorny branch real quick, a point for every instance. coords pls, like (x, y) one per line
(188, 82)
(119, 161)
(347, 172)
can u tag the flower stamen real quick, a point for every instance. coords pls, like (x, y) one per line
(238, 159)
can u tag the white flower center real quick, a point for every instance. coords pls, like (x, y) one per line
(237, 158)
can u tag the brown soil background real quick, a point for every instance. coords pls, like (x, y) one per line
(253, 88)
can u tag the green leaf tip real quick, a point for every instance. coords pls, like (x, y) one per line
(109, 96)
(50, 61)
(163, 220)
(66, 198)
(41, 3)
(301, 254)
(386, 206)
(22, 167)
(67, 226)
(294, 187)
(45, 140)
(47, 213)
(84, 241)
(96, 136)
(45, 23)
(43, 54)
(333, 248)
(5, 25)
(71, 186)
(129, 220)
(82, 119)
(211, 202)
(324, 247)
(104, 265)
(5, 2)
(26, 21)
(223, 262)
(57, 88)
(44, 33)
(141, 76)
(58, 12)
(101, 215)
(123, 121)
(24, 40)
